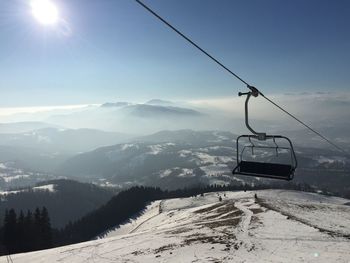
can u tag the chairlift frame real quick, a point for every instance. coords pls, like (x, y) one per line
(260, 169)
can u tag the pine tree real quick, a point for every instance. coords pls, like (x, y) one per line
(46, 231)
(37, 244)
(20, 232)
(30, 234)
(10, 222)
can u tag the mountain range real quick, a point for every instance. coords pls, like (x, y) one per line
(132, 118)
(175, 159)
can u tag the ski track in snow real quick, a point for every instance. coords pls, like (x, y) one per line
(240, 228)
(243, 228)
(159, 205)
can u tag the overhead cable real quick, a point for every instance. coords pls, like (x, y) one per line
(253, 89)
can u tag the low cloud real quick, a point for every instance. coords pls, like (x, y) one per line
(317, 105)
(318, 109)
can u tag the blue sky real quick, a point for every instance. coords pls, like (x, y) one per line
(114, 50)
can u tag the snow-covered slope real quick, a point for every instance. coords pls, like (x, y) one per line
(278, 226)
(48, 187)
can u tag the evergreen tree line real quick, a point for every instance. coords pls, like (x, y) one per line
(33, 231)
(70, 201)
(26, 232)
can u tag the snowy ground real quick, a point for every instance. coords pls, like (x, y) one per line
(48, 187)
(280, 226)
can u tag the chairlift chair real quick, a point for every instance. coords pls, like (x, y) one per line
(264, 169)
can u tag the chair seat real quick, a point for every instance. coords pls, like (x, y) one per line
(271, 170)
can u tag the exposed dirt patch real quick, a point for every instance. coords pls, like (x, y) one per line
(236, 213)
(179, 230)
(255, 220)
(224, 222)
(211, 217)
(228, 210)
(309, 207)
(214, 260)
(210, 208)
(164, 248)
(204, 239)
(256, 210)
(251, 248)
(228, 207)
(138, 252)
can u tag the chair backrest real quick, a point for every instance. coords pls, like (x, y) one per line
(264, 168)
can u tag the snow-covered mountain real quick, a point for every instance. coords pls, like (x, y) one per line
(278, 226)
(170, 159)
(177, 159)
(12, 176)
(22, 127)
(160, 102)
(44, 149)
(139, 118)
(59, 140)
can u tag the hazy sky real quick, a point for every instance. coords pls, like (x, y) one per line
(109, 50)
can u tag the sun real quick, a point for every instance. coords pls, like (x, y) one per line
(45, 11)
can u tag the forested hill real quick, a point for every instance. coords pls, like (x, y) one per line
(65, 200)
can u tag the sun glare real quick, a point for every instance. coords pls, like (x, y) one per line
(45, 11)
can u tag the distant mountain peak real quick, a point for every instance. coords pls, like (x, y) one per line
(26, 126)
(159, 102)
(148, 110)
(115, 104)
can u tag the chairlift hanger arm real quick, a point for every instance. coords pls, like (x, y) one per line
(254, 92)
